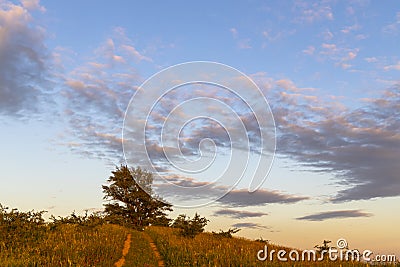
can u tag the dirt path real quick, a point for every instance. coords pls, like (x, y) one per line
(155, 250)
(125, 250)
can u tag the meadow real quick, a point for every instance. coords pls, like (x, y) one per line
(208, 249)
(27, 240)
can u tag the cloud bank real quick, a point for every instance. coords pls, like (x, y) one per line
(339, 214)
(24, 59)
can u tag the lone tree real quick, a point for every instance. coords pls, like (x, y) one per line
(129, 202)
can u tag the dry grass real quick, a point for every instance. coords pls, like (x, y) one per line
(73, 245)
(210, 250)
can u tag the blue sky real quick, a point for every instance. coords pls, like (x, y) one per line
(329, 70)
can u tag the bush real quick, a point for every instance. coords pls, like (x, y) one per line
(190, 227)
(92, 220)
(227, 234)
(18, 227)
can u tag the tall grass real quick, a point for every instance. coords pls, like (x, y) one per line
(68, 245)
(26, 240)
(207, 249)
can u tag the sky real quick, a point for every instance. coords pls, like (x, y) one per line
(318, 85)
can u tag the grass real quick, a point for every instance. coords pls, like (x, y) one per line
(74, 245)
(26, 240)
(207, 249)
(103, 245)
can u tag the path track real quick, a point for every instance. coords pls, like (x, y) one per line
(155, 250)
(125, 250)
(127, 246)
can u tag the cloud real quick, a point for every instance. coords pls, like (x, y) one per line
(24, 59)
(327, 35)
(309, 12)
(96, 94)
(339, 55)
(244, 43)
(349, 29)
(250, 225)
(136, 55)
(237, 214)
(339, 214)
(273, 36)
(394, 27)
(329, 49)
(360, 147)
(371, 59)
(242, 198)
(32, 5)
(392, 67)
(234, 32)
(309, 51)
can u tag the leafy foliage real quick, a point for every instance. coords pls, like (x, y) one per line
(190, 227)
(227, 234)
(325, 246)
(18, 227)
(129, 203)
(26, 239)
(88, 220)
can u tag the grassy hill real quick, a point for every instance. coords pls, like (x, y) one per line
(112, 245)
(27, 240)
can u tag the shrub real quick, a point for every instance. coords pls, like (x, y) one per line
(227, 234)
(190, 227)
(17, 227)
(88, 220)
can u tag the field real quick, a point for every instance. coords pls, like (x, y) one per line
(27, 240)
(112, 245)
(74, 245)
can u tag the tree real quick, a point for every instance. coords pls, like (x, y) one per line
(324, 248)
(190, 227)
(131, 201)
(227, 234)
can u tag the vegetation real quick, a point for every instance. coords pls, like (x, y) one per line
(226, 234)
(26, 240)
(190, 227)
(325, 246)
(131, 201)
(206, 249)
(111, 238)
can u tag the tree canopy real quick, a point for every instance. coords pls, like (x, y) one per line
(128, 202)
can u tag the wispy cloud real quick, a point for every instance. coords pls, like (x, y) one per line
(97, 94)
(393, 28)
(234, 32)
(350, 29)
(339, 214)
(392, 67)
(309, 12)
(241, 43)
(244, 43)
(242, 198)
(238, 214)
(341, 56)
(309, 51)
(250, 225)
